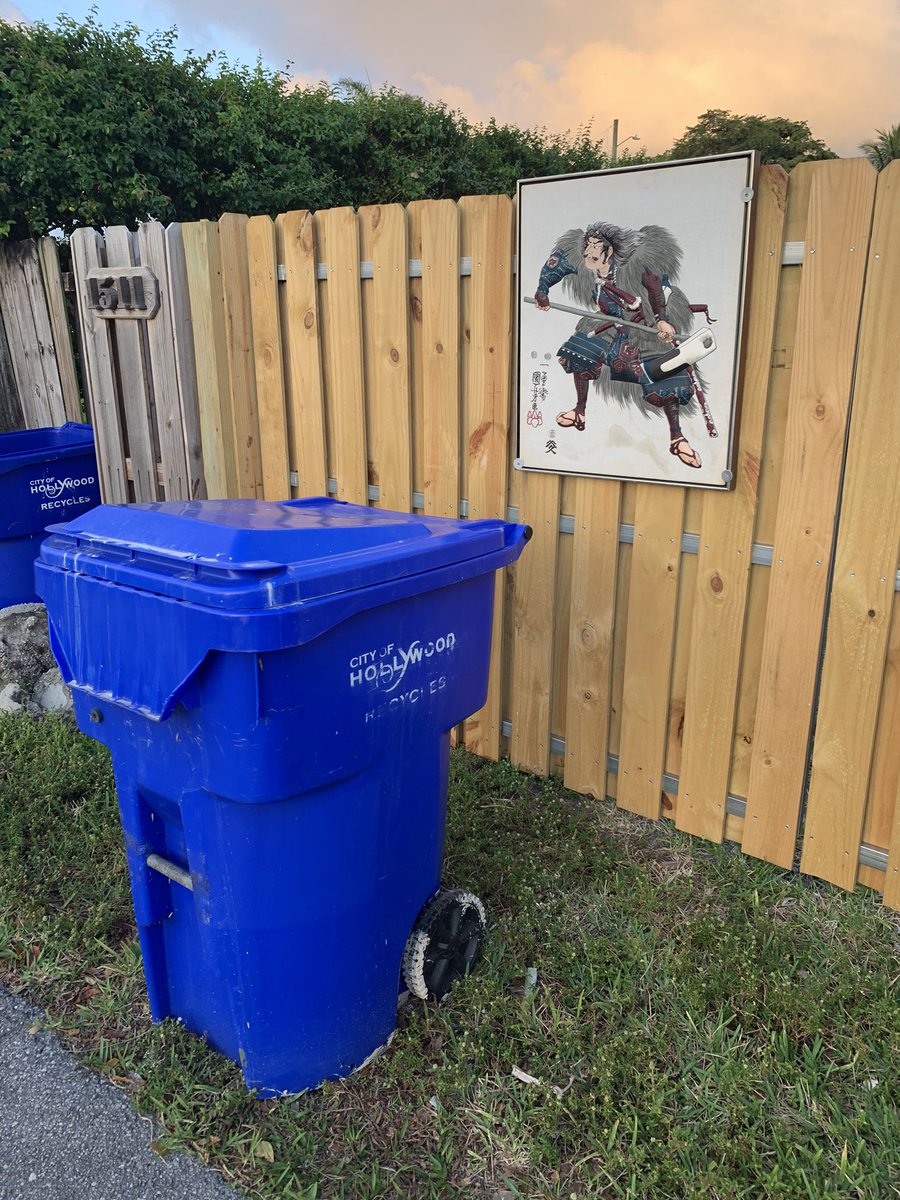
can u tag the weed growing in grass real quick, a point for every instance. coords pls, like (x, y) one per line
(702, 1023)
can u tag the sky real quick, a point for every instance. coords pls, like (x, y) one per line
(654, 67)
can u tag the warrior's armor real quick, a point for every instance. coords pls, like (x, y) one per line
(625, 363)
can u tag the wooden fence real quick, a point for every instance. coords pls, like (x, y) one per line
(38, 380)
(702, 656)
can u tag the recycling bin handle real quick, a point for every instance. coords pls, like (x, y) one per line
(171, 870)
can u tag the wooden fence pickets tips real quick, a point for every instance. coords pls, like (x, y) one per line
(658, 645)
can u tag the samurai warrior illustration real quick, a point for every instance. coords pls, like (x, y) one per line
(624, 282)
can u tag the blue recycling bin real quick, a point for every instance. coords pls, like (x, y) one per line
(45, 475)
(277, 683)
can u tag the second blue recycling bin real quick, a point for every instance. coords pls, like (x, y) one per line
(46, 475)
(276, 684)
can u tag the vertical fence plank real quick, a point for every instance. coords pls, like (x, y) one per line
(263, 269)
(185, 365)
(48, 252)
(204, 279)
(486, 232)
(151, 246)
(104, 411)
(726, 543)
(649, 646)
(128, 337)
(301, 332)
(338, 241)
(29, 334)
(534, 596)
(862, 590)
(242, 370)
(840, 214)
(384, 243)
(439, 254)
(592, 616)
(11, 415)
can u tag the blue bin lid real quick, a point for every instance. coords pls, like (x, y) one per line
(254, 555)
(27, 446)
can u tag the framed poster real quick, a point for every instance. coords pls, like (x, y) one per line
(631, 289)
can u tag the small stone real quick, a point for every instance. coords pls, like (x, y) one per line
(51, 694)
(8, 701)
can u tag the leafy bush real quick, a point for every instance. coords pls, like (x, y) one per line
(104, 127)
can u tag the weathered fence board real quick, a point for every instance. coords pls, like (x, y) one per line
(30, 335)
(48, 252)
(11, 415)
(167, 399)
(100, 375)
(128, 339)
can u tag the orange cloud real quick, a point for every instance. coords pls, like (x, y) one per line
(659, 70)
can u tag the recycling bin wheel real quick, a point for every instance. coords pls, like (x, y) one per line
(445, 943)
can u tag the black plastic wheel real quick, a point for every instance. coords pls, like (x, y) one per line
(444, 944)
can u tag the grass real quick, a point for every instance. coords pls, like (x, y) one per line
(702, 1023)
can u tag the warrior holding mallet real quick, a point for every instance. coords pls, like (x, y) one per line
(623, 282)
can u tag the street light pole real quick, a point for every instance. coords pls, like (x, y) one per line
(634, 137)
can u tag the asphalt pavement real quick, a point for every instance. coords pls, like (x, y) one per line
(67, 1134)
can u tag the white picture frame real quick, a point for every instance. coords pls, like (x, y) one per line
(654, 398)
